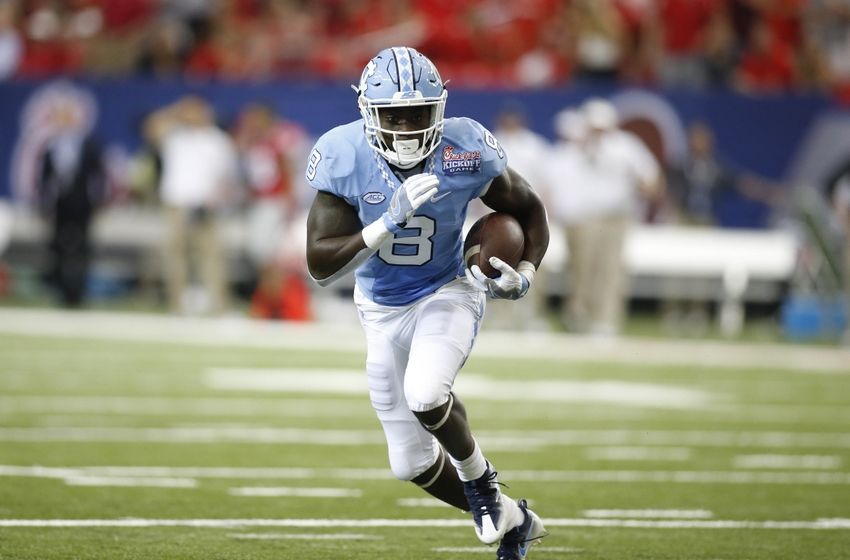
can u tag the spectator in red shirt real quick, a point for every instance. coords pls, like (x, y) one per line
(767, 64)
(270, 153)
(684, 24)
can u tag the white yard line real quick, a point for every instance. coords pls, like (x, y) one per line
(516, 440)
(471, 385)
(486, 550)
(237, 434)
(305, 536)
(819, 524)
(349, 338)
(687, 477)
(177, 406)
(266, 473)
(648, 513)
(421, 502)
(158, 482)
(825, 462)
(301, 473)
(340, 381)
(284, 406)
(285, 491)
(785, 413)
(624, 453)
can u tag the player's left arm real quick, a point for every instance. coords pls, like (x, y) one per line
(509, 192)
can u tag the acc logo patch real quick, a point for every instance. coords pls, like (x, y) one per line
(460, 162)
(374, 197)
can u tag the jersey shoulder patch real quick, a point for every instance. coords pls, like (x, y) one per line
(462, 135)
(333, 158)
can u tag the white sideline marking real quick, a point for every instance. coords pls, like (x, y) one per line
(486, 550)
(825, 462)
(86, 480)
(819, 524)
(306, 536)
(421, 502)
(625, 453)
(470, 385)
(280, 491)
(681, 477)
(648, 513)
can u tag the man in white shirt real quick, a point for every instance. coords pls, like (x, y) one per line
(598, 175)
(529, 155)
(198, 176)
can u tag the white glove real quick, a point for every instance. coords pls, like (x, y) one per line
(412, 194)
(406, 199)
(511, 284)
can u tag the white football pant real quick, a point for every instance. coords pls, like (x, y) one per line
(414, 354)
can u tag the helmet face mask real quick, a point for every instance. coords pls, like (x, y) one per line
(402, 101)
(404, 130)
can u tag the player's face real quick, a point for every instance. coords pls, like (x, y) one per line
(405, 119)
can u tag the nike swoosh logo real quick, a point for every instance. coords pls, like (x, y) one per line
(438, 198)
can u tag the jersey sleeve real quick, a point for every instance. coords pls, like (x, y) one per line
(330, 162)
(494, 161)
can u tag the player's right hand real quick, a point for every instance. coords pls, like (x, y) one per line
(412, 194)
(510, 284)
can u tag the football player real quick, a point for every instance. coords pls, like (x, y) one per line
(393, 189)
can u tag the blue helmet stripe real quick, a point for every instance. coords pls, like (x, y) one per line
(404, 65)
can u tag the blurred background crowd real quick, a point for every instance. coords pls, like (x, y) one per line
(751, 45)
(180, 129)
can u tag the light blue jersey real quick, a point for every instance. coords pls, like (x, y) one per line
(426, 254)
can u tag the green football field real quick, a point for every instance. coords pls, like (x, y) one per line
(139, 437)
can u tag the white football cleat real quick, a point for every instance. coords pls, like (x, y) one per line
(517, 541)
(494, 513)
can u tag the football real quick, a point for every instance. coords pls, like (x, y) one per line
(494, 235)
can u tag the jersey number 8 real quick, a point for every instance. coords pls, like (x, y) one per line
(391, 253)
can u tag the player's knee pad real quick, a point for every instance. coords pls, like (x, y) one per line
(407, 464)
(425, 392)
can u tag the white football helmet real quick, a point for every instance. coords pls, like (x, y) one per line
(402, 77)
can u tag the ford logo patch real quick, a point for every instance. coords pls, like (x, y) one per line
(374, 197)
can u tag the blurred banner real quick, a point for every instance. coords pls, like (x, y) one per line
(764, 135)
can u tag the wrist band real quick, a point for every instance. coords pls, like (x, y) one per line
(375, 234)
(527, 269)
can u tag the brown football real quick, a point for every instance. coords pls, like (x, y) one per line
(494, 235)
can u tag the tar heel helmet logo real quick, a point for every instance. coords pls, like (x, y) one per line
(374, 197)
(368, 72)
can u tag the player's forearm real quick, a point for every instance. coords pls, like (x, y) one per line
(531, 215)
(329, 259)
(535, 226)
